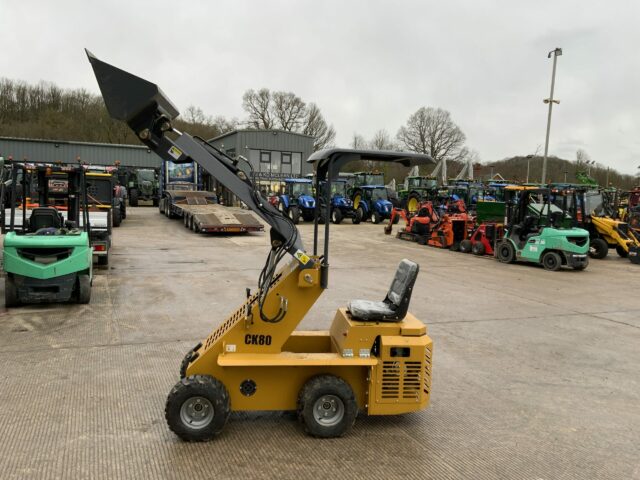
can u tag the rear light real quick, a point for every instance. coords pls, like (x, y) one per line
(100, 248)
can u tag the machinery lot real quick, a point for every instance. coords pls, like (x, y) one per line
(535, 373)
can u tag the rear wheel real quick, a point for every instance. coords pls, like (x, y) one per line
(621, 251)
(327, 406)
(83, 289)
(413, 203)
(336, 216)
(598, 248)
(356, 219)
(133, 197)
(478, 249)
(505, 252)
(466, 246)
(551, 261)
(117, 216)
(197, 408)
(10, 292)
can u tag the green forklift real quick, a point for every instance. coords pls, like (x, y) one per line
(47, 249)
(538, 231)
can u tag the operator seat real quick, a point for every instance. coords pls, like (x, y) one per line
(396, 304)
(45, 217)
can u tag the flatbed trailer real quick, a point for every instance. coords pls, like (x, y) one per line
(201, 213)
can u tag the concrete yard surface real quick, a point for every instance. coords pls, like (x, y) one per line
(535, 373)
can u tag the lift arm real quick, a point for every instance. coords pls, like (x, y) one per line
(146, 109)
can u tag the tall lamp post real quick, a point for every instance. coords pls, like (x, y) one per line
(550, 101)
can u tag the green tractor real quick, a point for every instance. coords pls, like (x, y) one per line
(416, 189)
(47, 249)
(144, 185)
(538, 231)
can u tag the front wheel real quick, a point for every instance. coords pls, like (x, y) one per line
(505, 252)
(294, 215)
(361, 214)
(377, 218)
(327, 406)
(598, 248)
(197, 408)
(84, 289)
(336, 216)
(133, 197)
(552, 261)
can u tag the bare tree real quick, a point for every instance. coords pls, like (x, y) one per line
(288, 110)
(359, 142)
(258, 106)
(431, 130)
(316, 126)
(582, 157)
(382, 141)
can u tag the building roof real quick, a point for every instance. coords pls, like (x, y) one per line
(73, 142)
(258, 130)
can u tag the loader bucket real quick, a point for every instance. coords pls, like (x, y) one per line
(127, 96)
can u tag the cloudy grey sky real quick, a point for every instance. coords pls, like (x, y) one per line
(367, 64)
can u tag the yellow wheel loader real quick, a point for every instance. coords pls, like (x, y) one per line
(376, 357)
(604, 231)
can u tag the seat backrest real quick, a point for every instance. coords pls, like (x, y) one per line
(399, 294)
(44, 217)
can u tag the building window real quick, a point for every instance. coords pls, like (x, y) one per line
(286, 157)
(296, 158)
(265, 161)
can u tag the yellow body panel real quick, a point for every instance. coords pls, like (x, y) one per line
(608, 228)
(280, 360)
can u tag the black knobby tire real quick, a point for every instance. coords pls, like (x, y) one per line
(356, 219)
(416, 201)
(455, 247)
(377, 218)
(478, 249)
(551, 261)
(161, 206)
(133, 197)
(361, 214)
(123, 210)
(294, 215)
(10, 292)
(185, 364)
(466, 246)
(598, 248)
(197, 408)
(505, 252)
(327, 406)
(117, 216)
(396, 219)
(83, 289)
(621, 251)
(336, 216)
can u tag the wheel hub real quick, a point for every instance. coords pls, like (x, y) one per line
(197, 412)
(328, 410)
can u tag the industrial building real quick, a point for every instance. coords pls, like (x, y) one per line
(274, 154)
(51, 151)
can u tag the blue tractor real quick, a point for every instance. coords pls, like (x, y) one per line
(372, 201)
(341, 204)
(297, 199)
